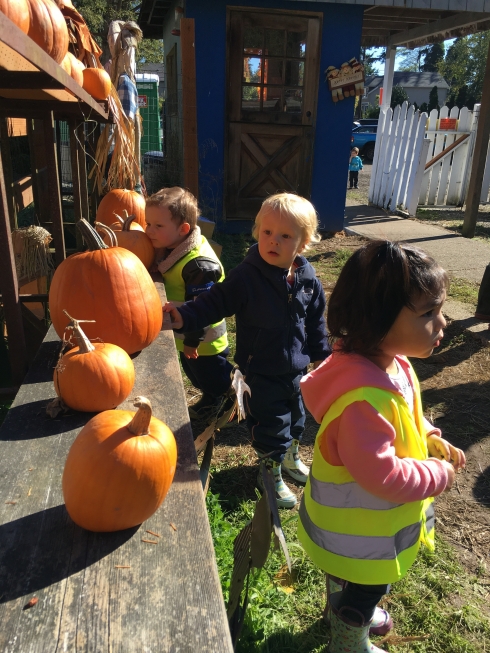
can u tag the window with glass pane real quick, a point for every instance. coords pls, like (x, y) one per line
(251, 98)
(253, 40)
(272, 99)
(252, 69)
(273, 71)
(296, 44)
(295, 73)
(293, 100)
(274, 42)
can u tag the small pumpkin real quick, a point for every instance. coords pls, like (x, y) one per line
(119, 469)
(18, 12)
(118, 200)
(112, 286)
(97, 83)
(73, 67)
(48, 29)
(93, 376)
(133, 239)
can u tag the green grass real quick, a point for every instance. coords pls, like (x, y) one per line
(452, 219)
(464, 291)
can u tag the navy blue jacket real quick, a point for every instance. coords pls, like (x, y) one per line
(279, 330)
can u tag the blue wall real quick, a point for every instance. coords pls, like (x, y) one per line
(341, 37)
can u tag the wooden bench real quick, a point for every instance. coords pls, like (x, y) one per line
(103, 591)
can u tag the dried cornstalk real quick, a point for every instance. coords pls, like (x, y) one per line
(32, 258)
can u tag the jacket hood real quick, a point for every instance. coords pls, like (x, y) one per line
(341, 373)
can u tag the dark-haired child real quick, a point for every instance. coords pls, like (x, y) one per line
(367, 505)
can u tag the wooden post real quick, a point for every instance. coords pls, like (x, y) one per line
(75, 176)
(479, 157)
(388, 76)
(189, 108)
(39, 172)
(82, 171)
(54, 190)
(7, 171)
(10, 292)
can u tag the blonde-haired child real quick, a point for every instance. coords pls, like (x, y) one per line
(279, 304)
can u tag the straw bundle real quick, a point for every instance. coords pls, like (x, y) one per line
(31, 249)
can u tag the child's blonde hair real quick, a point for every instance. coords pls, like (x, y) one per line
(355, 149)
(180, 202)
(297, 208)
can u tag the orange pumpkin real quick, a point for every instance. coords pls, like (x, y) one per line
(118, 200)
(48, 28)
(112, 286)
(133, 239)
(119, 469)
(93, 376)
(18, 12)
(118, 223)
(97, 83)
(73, 67)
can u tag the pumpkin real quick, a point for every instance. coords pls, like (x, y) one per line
(18, 12)
(118, 200)
(112, 286)
(119, 469)
(97, 83)
(93, 376)
(133, 239)
(118, 223)
(73, 67)
(48, 28)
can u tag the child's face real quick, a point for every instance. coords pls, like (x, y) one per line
(162, 230)
(416, 333)
(280, 240)
(353, 153)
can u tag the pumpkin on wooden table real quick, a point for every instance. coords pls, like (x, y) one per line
(118, 200)
(93, 376)
(18, 12)
(73, 67)
(112, 286)
(97, 83)
(135, 240)
(119, 469)
(48, 29)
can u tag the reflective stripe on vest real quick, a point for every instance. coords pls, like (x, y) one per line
(215, 338)
(351, 533)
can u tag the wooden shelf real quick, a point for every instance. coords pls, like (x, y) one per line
(32, 83)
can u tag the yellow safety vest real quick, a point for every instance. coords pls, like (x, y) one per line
(348, 531)
(215, 336)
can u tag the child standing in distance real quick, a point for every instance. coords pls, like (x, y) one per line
(367, 505)
(190, 267)
(279, 304)
(355, 164)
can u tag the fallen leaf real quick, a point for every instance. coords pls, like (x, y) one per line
(173, 526)
(31, 603)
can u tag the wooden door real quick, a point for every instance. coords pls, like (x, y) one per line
(273, 71)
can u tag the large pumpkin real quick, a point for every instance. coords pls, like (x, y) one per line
(48, 28)
(118, 200)
(97, 83)
(18, 12)
(133, 239)
(119, 469)
(93, 376)
(111, 286)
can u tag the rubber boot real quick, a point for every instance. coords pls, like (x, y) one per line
(381, 623)
(346, 635)
(483, 307)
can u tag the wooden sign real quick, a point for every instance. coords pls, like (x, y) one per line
(346, 81)
(447, 123)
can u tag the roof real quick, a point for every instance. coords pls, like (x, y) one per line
(408, 80)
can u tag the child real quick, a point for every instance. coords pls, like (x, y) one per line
(355, 164)
(279, 305)
(367, 505)
(190, 267)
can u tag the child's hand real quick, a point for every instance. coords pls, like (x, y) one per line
(176, 318)
(444, 450)
(451, 474)
(190, 352)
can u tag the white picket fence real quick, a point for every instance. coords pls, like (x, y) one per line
(417, 163)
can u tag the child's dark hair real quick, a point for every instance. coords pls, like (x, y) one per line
(375, 284)
(179, 201)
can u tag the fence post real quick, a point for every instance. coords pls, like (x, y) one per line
(413, 197)
(189, 103)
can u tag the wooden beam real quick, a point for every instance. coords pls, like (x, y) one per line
(27, 298)
(189, 108)
(27, 79)
(479, 157)
(54, 190)
(388, 76)
(446, 151)
(444, 26)
(8, 172)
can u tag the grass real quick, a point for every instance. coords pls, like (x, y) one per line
(464, 291)
(452, 218)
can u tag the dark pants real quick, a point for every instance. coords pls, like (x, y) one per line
(211, 374)
(353, 178)
(275, 413)
(361, 599)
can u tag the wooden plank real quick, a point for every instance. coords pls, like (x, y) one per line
(385, 192)
(437, 27)
(438, 148)
(404, 184)
(75, 175)
(486, 180)
(413, 193)
(7, 172)
(455, 185)
(402, 159)
(23, 193)
(17, 126)
(189, 104)
(31, 297)
(54, 193)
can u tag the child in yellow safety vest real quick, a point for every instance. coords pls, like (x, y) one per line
(367, 505)
(190, 267)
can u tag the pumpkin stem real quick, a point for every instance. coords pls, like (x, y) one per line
(119, 221)
(90, 236)
(140, 423)
(84, 344)
(128, 220)
(107, 231)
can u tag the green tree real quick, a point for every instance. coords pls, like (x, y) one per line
(409, 60)
(398, 96)
(433, 99)
(464, 66)
(433, 56)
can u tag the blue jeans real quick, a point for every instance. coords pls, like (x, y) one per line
(275, 413)
(210, 374)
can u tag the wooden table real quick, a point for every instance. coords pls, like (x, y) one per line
(167, 600)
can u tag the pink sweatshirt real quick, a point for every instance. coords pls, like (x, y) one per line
(361, 439)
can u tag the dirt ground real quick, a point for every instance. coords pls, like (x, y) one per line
(455, 383)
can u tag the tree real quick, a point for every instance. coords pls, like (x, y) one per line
(423, 108)
(409, 60)
(433, 56)
(433, 99)
(398, 96)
